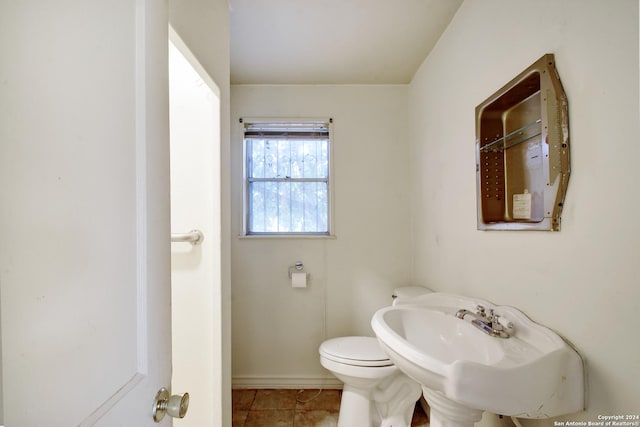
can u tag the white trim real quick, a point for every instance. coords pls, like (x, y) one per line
(286, 381)
(288, 119)
(286, 236)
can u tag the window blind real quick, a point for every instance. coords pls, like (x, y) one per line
(287, 130)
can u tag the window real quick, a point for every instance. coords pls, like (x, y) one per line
(287, 170)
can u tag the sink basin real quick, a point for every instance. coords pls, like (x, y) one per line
(532, 374)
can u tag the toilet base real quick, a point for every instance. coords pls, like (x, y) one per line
(355, 408)
(388, 404)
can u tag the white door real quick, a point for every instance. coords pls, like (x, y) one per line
(84, 211)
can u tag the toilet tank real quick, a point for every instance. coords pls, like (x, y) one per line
(404, 294)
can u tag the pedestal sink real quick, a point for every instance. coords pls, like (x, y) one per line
(464, 371)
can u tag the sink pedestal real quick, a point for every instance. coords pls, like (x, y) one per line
(447, 413)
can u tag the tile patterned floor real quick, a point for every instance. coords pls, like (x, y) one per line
(294, 408)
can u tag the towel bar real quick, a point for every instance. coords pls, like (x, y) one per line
(195, 237)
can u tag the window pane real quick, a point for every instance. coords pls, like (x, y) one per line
(271, 206)
(309, 159)
(310, 207)
(268, 158)
(288, 207)
(297, 207)
(323, 206)
(297, 158)
(284, 158)
(323, 160)
(255, 153)
(257, 207)
(284, 207)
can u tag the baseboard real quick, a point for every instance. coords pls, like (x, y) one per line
(295, 382)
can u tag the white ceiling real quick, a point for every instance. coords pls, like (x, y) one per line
(333, 41)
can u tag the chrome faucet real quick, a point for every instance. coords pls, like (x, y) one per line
(489, 323)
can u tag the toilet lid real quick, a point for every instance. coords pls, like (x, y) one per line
(359, 351)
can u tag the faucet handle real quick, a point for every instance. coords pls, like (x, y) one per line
(495, 322)
(480, 309)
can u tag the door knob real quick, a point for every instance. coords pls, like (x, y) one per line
(176, 406)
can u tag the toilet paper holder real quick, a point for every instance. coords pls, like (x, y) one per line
(296, 268)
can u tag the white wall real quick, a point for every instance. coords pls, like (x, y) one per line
(277, 329)
(582, 281)
(203, 25)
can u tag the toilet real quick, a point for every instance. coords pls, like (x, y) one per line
(375, 393)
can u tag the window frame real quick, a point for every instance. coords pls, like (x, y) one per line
(246, 233)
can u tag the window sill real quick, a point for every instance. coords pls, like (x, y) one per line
(287, 236)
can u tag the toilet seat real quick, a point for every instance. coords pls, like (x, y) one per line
(356, 351)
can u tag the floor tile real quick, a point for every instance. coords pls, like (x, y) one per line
(275, 399)
(242, 399)
(238, 417)
(311, 399)
(315, 418)
(270, 418)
